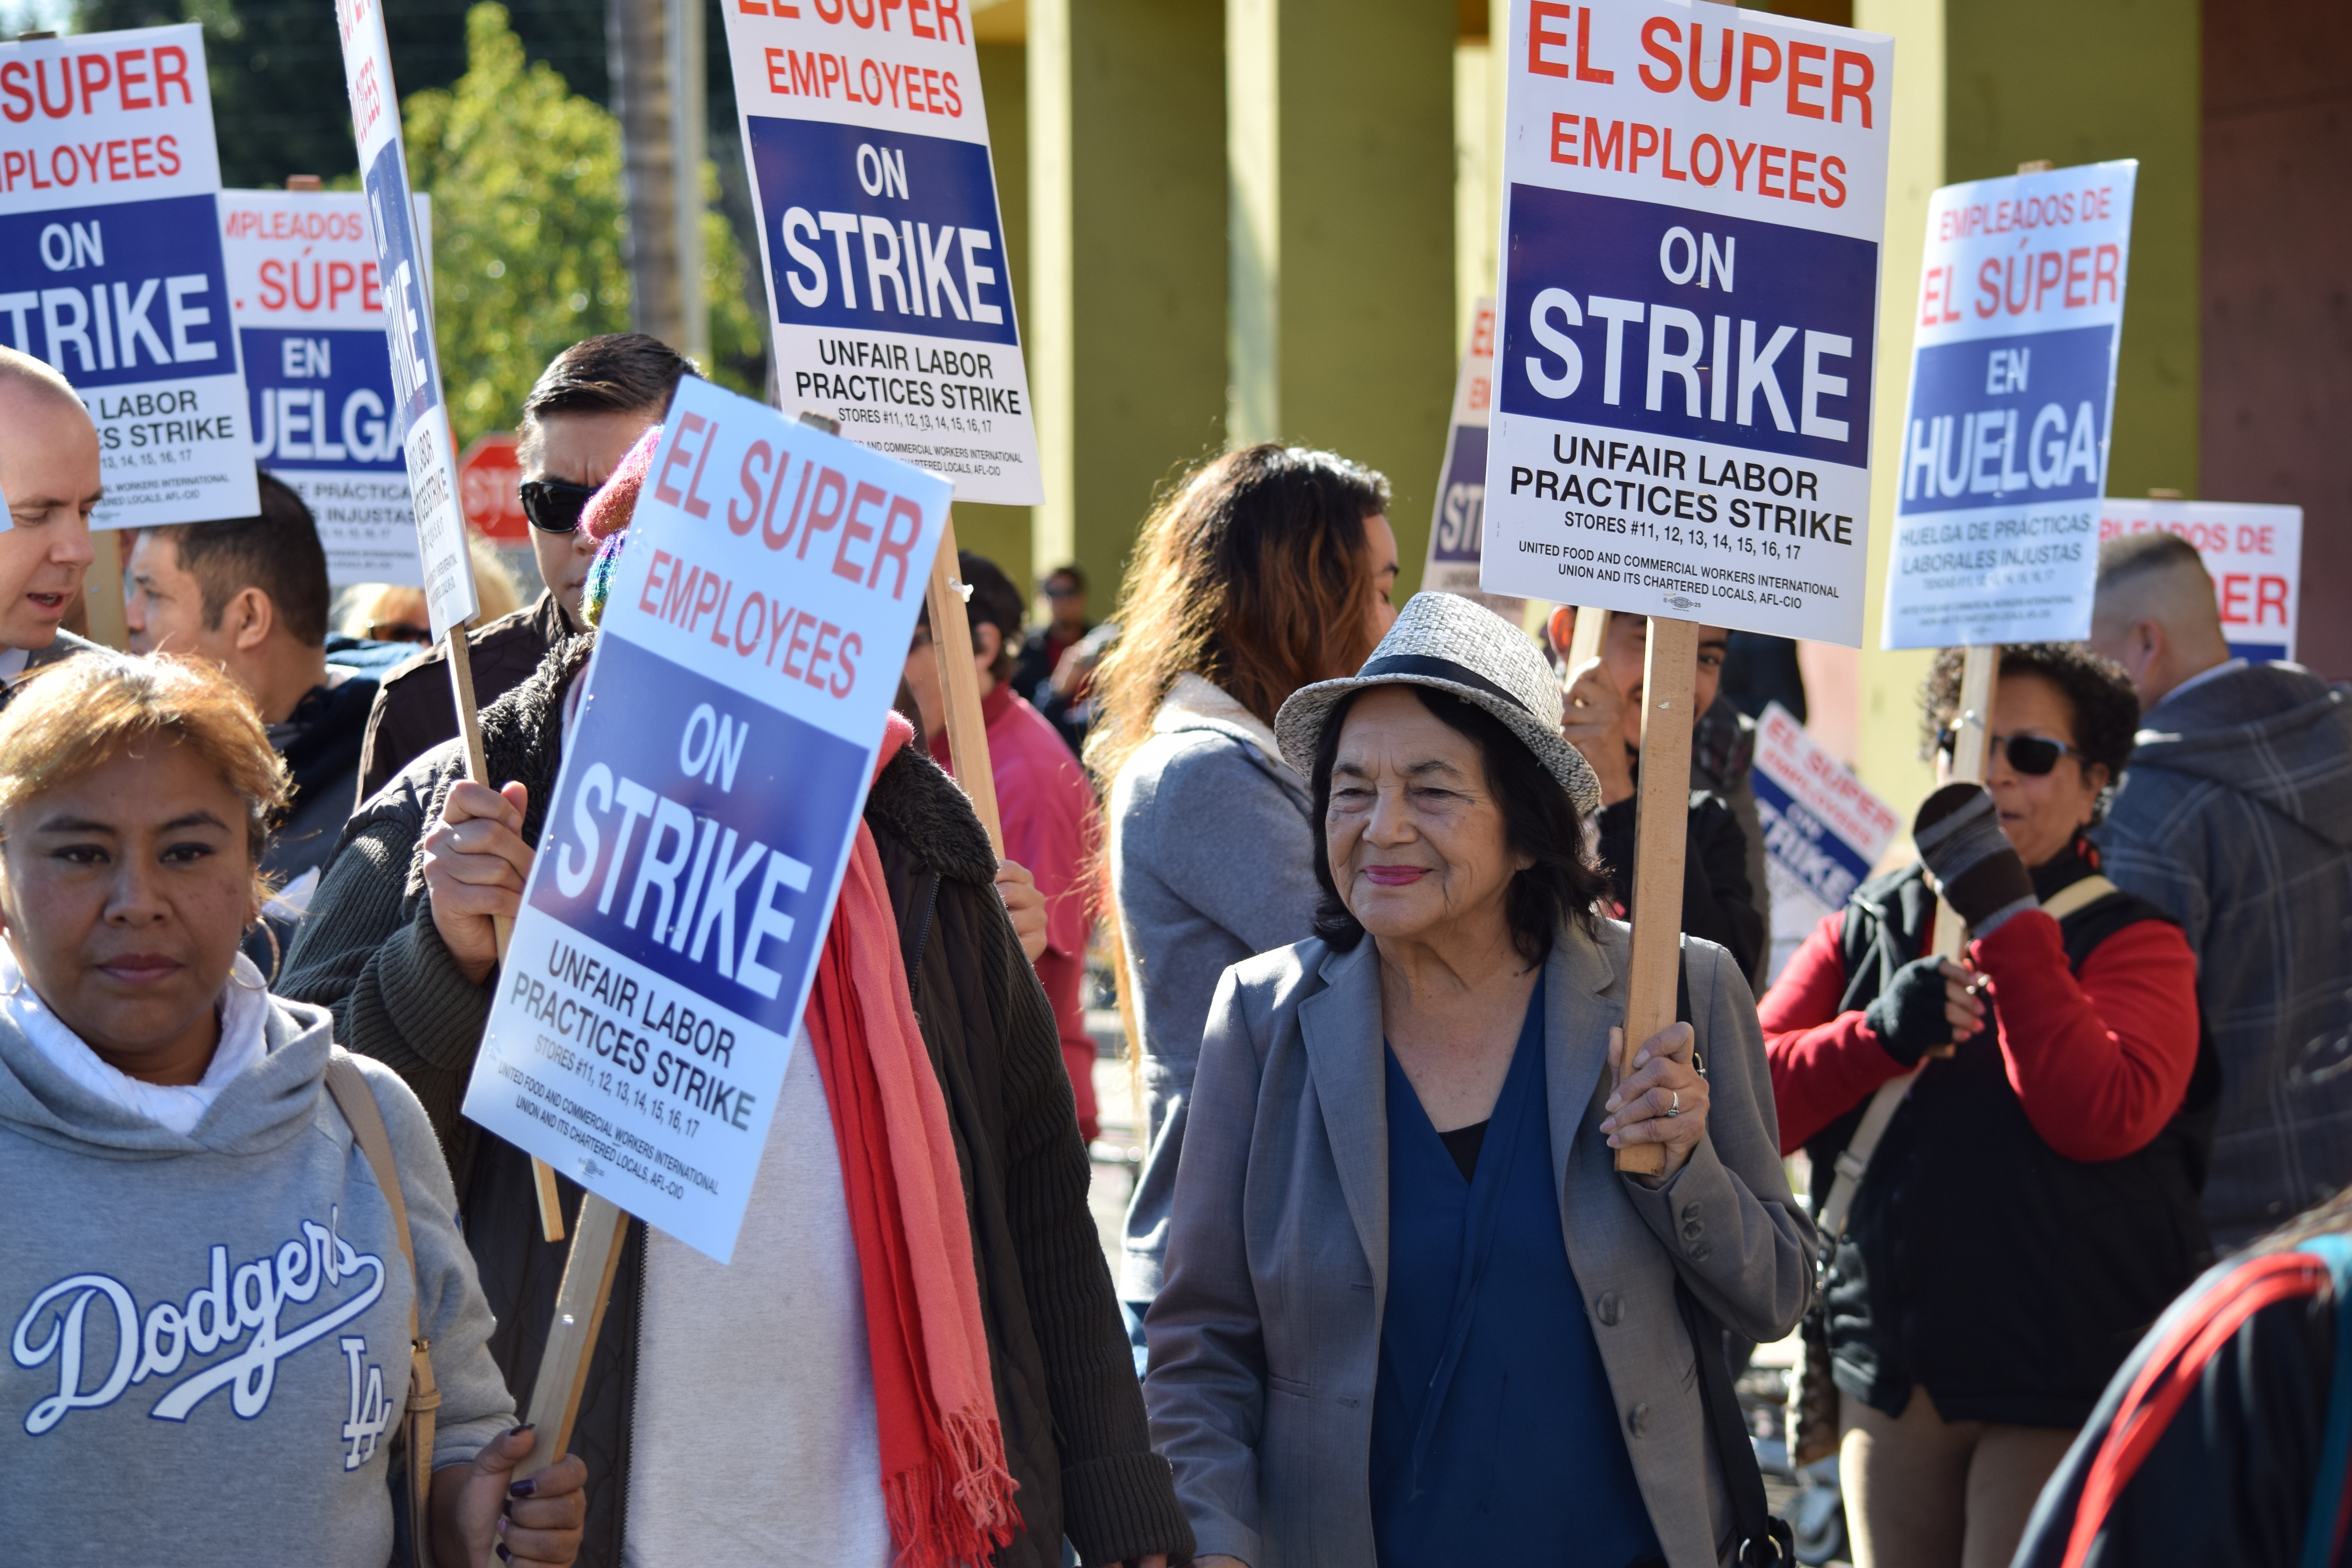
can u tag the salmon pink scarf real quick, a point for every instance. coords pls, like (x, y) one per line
(944, 1476)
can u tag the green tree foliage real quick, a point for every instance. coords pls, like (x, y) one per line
(527, 222)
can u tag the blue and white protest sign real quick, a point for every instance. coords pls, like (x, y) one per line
(1457, 531)
(420, 417)
(2004, 451)
(310, 313)
(2253, 553)
(889, 291)
(110, 265)
(1691, 236)
(1823, 830)
(702, 824)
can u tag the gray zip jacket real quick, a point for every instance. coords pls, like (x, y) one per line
(2235, 818)
(208, 1333)
(1212, 858)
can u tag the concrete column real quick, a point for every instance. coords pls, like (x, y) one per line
(1001, 533)
(1887, 685)
(1341, 151)
(636, 37)
(2108, 78)
(1127, 264)
(2104, 79)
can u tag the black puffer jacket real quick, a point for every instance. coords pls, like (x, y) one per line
(1072, 1412)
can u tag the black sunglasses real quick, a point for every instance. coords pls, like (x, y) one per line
(553, 506)
(2031, 755)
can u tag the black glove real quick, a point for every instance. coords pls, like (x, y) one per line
(1908, 1016)
(1958, 835)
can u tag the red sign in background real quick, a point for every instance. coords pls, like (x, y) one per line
(490, 491)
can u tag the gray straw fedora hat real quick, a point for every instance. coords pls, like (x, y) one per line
(1447, 642)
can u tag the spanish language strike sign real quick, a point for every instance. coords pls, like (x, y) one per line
(704, 815)
(879, 234)
(2012, 394)
(310, 313)
(2254, 554)
(1691, 240)
(1822, 829)
(420, 418)
(1457, 531)
(110, 264)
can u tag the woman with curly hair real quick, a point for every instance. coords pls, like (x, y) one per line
(2033, 1204)
(1265, 570)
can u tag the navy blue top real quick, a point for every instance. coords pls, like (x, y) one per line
(1495, 1435)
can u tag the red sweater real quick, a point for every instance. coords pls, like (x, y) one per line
(2100, 1063)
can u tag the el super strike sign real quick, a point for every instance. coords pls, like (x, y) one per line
(420, 418)
(110, 264)
(879, 235)
(702, 821)
(2254, 554)
(1691, 240)
(1822, 829)
(309, 312)
(1458, 530)
(2004, 447)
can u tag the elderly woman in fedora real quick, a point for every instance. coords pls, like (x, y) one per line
(1413, 1314)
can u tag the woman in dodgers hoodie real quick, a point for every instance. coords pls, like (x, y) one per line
(203, 1294)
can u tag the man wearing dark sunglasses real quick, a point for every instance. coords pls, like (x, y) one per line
(592, 402)
(2235, 818)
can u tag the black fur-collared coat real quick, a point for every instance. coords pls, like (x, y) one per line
(1072, 1413)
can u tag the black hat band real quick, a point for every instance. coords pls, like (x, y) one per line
(1422, 664)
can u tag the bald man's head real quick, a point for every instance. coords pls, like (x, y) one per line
(2154, 613)
(49, 474)
(35, 376)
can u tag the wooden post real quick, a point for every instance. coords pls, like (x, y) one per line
(1661, 832)
(1585, 642)
(1970, 727)
(469, 726)
(102, 589)
(580, 1303)
(959, 687)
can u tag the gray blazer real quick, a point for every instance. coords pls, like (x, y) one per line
(1265, 1334)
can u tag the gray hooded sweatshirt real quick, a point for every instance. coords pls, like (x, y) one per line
(2235, 818)
(208, 1333)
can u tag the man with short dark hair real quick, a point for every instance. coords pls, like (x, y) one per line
(1041, 793)
(589, 406)
(1038, 672)
(49, 476)
(2235, 818)
(250, 593)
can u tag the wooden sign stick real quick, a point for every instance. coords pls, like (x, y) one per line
(469, 726)
(1661, 833)
(959, 687)
(1585, 642)
(1971, 727)
(580, 1303)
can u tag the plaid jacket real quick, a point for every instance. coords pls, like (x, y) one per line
(2235, 818)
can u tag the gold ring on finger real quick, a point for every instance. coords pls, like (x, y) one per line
(1674, 1106)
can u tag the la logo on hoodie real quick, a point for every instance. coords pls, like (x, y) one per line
(88, 1328)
